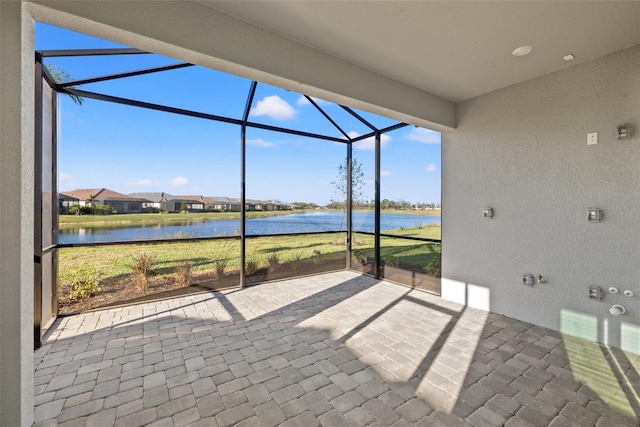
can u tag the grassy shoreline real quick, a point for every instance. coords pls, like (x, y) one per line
(156, 218)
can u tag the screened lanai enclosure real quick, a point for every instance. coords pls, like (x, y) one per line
(244, 183)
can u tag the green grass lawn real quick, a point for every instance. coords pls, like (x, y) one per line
(114, 262)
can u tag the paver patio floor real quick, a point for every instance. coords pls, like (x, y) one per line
(334, 349)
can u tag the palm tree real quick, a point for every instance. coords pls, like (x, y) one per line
(91, 200)
(61, 76)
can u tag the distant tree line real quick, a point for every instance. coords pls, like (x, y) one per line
(385, 204)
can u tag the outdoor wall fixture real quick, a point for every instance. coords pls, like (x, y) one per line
(595, 292)
(617, 310)
(623, 131)
(522, 51)
(528, 279)
(540, 278)
(594, 215)
(487, 213)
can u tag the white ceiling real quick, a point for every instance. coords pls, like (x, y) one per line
(452, 49)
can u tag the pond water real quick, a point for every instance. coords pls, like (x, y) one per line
(294, 223)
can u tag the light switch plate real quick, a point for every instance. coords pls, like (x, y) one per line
(592, 138)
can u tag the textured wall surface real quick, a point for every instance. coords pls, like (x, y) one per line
(16, 215)
(523, 151)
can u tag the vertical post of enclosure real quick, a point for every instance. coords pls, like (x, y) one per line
(377, 209)
(55, 229)
(348, 203)
(37, 208)
(243, 178)
(243, 197)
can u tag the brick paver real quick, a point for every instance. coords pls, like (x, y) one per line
(333, 349)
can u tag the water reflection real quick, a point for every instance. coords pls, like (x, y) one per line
(294, 223)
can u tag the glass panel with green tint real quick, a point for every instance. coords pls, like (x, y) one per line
(411, 262)
(102, 276)
(283, 257)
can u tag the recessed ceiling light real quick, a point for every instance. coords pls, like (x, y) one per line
(522, 51)
(568, 57)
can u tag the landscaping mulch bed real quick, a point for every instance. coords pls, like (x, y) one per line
(124, 290)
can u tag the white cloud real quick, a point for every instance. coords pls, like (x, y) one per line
(385, 173)
(179, 180)
(353, 134)
(423, 135)
(274, 107)
(259, 142)
(146, 182)
(369, 143)
(302, 101)
(431, 168)
(64, 176)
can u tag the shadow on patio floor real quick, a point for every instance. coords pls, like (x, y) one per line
(333, 349)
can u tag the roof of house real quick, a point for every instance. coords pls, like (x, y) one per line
(223, 200)
(155, 197)
(100, 194)
(62, 196)
(191, 199)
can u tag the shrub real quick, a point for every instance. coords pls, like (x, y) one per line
(142, 267)
(88, 210)
(274, 260)
(316, 256)
(433, 269)
(101, 210)
(183, 273)
(295, 260)
(84, 283)
(250, 267)
(391, 261)
(220, 265)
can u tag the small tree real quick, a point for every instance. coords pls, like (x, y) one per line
(340, 183)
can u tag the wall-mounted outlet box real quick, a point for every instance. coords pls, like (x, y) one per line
(595, 292)
(592, 138)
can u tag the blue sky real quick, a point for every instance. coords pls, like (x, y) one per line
(128, 149)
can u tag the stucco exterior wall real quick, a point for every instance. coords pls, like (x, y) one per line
(16, 215)
(523, 151)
